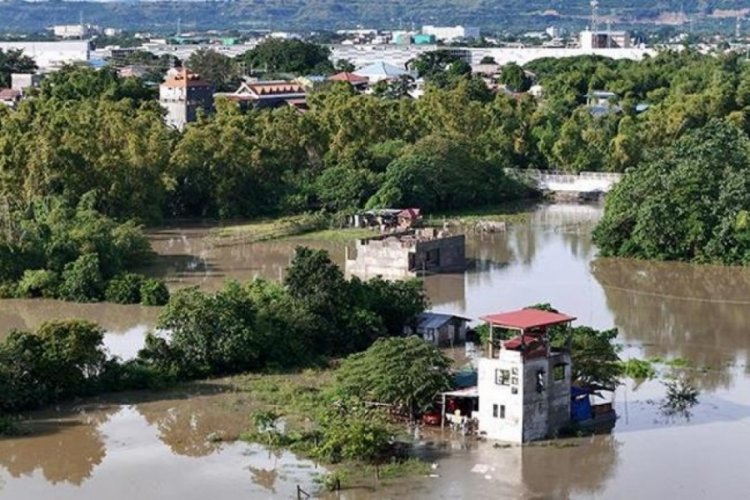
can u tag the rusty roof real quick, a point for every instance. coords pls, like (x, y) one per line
(185, 78)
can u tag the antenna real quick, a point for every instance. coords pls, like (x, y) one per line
(179, 26)
(594, 15)
(738, 27)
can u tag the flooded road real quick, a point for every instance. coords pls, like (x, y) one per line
(166, 449)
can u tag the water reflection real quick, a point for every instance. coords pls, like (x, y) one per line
(170, 448)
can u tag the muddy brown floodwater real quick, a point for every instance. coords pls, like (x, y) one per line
(132, 447)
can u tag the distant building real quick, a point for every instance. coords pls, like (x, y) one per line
(74, 30)
(356, 81)
(424, 39)
(112, 32)
(182, 94)
(383, 71)
(10, 97)
(52, 55)
(408, 253)
(605, 40)
(451, 33)
(23, 81)
(269, 94)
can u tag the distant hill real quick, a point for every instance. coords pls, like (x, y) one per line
(515, 15)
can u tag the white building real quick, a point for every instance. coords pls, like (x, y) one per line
(524, 387)
(605, 40)
(379, 71)
(52, 55)
(74, 30)
(450, 33)
(182, 94)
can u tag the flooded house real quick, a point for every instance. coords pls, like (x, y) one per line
(524, 384)
(407, 253)
(441, 329)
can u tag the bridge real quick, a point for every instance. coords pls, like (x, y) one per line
(560, 182)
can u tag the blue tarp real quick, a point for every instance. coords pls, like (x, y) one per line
(580, 404)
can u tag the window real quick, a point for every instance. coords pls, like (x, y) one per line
(498, 411)
(502, 411)
(540, 381)
(558, 371)
(494, 411)
(502, 377)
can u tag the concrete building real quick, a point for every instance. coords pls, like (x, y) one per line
(79, 31)
(53, 55)
(23, 81)
(524, 385)
(407, 253)
(184, 93)
(10, 97)
(605, 40)
(451, 33)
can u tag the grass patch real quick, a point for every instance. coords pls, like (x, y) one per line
(638, 369)
(509, 213)
(345, 234)
(272, 229)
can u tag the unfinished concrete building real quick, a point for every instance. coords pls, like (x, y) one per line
(407, 253)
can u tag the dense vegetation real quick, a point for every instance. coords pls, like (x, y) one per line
(50, 249)
(314, 315)
(691, 202)
(14, 61)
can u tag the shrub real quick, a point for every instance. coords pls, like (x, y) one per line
(154, 292)
(125, 289)
(82, 279)
(38, 283)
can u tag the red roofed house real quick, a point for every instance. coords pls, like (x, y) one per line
(356, 81)
(10, 97)
(524, 385)
(270, 94)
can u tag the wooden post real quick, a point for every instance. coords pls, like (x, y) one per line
(492, 342)
(442, 412)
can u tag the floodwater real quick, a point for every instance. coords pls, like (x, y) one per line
(168, 448)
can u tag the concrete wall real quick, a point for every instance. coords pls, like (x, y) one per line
(391, 258)
(530, 414)
(510, 428)
(452, 254)
(50, 55)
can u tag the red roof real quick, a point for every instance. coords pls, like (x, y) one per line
(523, 319)
(410, 213)
(348, 77)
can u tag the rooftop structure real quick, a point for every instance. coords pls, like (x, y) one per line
(383, 71)
(524, 385)
(355, 81)
(408, 253)
(441, 329)
(605, 39)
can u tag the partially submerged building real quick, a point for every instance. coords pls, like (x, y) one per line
(408, 253)
(524, 384)
(441, 329)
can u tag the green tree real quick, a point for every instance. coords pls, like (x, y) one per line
(288, 56)
(514, 77)
(214, 67)
(82, 279)
(14, 61)
(407, 373)
(124, 289)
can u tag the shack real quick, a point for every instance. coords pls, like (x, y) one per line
(441, 329)
(407, 253)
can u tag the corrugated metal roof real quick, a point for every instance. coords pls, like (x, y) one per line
(523, 319)
(432, 320)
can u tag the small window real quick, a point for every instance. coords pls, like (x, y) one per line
(502, 377)
(514, 390)
(502, 411)
(540, 381)
(558, 371)
(494, 411)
